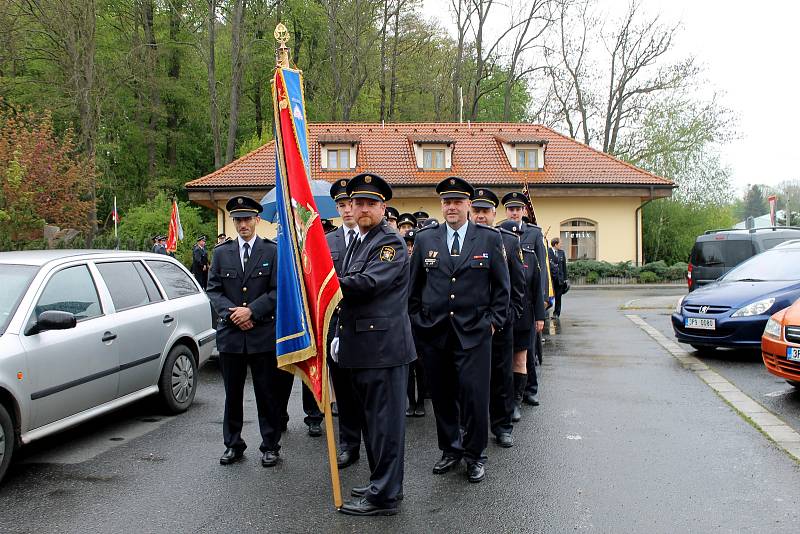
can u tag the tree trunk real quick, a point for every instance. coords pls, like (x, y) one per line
(151, 61)
(237, 70)
(174, 73)
(393, 75)
(382, 80)
(212, 82)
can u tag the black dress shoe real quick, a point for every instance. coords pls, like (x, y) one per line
(420, 410)
(270, 458)
(504, 439)
(445, 464)
(314, 430)
(475, 472)
(516, 415)
(531, 398)
(362, 491)
(364, 507)
(410, 412)
(231, 455)
(346, 459)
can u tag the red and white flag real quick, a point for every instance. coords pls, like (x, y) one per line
(773, 202)
(175, 228)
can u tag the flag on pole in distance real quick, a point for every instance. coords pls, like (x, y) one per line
(308, 288)
(175, 228)
(773, 203)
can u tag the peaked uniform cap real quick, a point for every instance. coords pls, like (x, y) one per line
(515, 198)
(454, 187)
(369, 185)
(339, 190)
(406, 218)
(484, 198)
(392, 213)
(243, 207)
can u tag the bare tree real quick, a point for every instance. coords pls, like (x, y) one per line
(211, 65)
(462, 9)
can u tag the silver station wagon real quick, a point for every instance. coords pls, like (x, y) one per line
(83, 332)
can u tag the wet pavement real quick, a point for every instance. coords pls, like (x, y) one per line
(626, 440)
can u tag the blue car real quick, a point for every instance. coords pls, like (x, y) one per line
(733, 310)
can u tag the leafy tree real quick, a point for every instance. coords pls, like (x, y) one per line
(755, 203)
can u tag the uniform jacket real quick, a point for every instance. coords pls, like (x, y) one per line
(533, 305)
(516, 274)
(562, 266)
(256, 287)
(470, 292)
(337, 246)
(532, 240)
(374, 329)
(199, 260)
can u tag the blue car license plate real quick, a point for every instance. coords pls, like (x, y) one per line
(793, 354)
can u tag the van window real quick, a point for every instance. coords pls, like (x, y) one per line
(71, 290)
(124, 283)
(773, 241)
(728, 253)
(175, 281)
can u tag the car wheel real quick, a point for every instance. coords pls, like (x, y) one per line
(794, 383)
(178, 381)
(6, 441)
(703, 349)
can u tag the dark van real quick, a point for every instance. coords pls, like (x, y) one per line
(718, 251)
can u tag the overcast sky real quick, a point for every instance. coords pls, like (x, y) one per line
(749, 53)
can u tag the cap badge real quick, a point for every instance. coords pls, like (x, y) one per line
(343, 183)
(240, 200)
(367, 179)
(480, 192)
(514, 195)
(452, 182)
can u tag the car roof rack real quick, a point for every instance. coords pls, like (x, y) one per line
(787, 243)
(751, 230)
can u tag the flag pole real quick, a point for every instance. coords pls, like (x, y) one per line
(116, 216)
(282, 61)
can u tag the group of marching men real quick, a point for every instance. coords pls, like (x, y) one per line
(452, 310)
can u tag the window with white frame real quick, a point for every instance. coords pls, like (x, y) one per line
(579, 239)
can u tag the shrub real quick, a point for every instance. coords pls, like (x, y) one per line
(657, 267)
(592, 277)
(648, 277)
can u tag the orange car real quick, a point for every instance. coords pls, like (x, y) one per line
(780, 344)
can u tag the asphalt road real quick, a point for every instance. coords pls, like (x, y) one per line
(626, 440)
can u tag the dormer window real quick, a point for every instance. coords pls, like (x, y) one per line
(433, 159)
(338, 159)
(528, 159)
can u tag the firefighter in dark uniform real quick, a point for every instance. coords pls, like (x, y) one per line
(421, 217)
(532, 241)
(391, 214)
(406, 223)
(501, 400)
(349, 416)
(242, 287)
(530, 321)
(374, 342)
(200, 261)
(416, 371)
(459, 296)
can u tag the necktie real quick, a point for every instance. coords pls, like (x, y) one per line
(246, 254)
(455, 250)
(350, 236)
(351, 251)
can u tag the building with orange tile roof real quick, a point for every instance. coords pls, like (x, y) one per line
(590, 199)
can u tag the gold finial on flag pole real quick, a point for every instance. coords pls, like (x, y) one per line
(282, 54)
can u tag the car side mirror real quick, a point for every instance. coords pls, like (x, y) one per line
(52, 320)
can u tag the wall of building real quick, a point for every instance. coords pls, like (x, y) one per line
(614, 217)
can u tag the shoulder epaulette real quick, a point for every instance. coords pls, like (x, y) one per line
(223, 243)
(507, 232)
(429, 226)
(485, 227)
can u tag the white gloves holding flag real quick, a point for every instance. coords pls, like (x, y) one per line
(335, 349)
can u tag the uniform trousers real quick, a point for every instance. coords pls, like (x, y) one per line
(350, 422)
(501, 399)
(534, 354)
(310, 407)
(266, 380)
(460, 394)
(416, 383)
(557, 307)
(380, 397)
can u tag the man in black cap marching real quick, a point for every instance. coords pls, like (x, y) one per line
(373, 341)
(242, 286)
(501, 401)
(200, 261)
(454, 322)
(339, 241)
(532, 241)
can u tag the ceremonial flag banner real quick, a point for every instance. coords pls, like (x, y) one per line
(308, 289)
(175, 228)
(773, 202)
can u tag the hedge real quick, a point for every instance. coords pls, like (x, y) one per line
(654, 272)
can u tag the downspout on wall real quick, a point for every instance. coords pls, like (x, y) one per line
(639, 236)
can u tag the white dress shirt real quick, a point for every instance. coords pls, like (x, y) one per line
(462, 234)
(241, 247)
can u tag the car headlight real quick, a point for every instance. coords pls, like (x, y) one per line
(773, 328)
(679, 304)
(758, 307)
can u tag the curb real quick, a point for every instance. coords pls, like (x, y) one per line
(629, 286)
